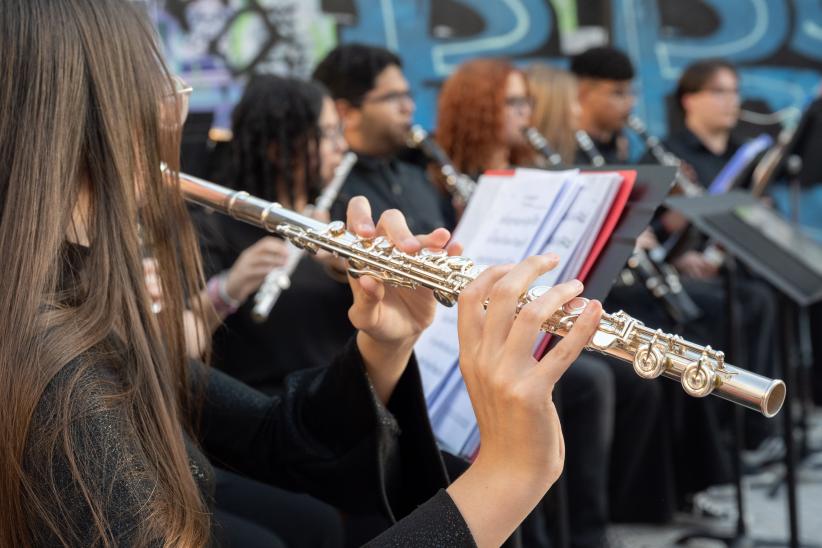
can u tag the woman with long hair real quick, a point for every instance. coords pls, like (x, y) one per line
(556, 107)
(483, 109)
(106, 423)
(287, 142)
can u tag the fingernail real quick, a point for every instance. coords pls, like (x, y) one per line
(366, 227)
(578, 302)
(552, 256)
(577, 284)
(410, 243)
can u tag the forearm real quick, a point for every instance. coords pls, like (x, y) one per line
(384, 363)
(495, 498)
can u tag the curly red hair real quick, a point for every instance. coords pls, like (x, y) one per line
(471, 115)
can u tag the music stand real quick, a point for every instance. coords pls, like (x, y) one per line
(652, 185)
(789, 261)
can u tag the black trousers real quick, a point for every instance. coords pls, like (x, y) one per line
(251, 514)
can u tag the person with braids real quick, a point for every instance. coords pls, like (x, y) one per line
(108, 428)
(482, 111)
(286, 144)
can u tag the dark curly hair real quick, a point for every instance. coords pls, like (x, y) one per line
(350, 71)
(276, 134)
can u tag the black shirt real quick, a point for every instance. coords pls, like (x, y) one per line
(307, 327)
(614, 151)
(390, 183)
(327, 435)
(707, 165)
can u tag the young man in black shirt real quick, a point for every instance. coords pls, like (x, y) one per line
(606, 97)
(376, 107)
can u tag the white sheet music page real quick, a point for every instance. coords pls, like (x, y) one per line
(577, 232)
(503, 223)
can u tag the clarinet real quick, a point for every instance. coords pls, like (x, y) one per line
(664, 157)
(653, 353)
(459, 185)
(686, 185)
(686, 309)
(586, 144)
(540, 144)
(279, 279)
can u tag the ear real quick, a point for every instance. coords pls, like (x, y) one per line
(687, 102)
(584, 86)
(348, 113)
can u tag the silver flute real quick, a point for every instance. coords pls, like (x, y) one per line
(540, 144)
(279, 279)
(586, 144)
(700, 369)
(459, 185)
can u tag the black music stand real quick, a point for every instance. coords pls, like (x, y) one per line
(652, 185)
(792, 263)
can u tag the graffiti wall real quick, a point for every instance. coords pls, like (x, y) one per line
(217, 44)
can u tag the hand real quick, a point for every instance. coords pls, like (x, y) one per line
(155, 290)
(390, 319)
(647, 240)
(673, 221)
(392, 315)
(253, 265)
(522, 452)
(695, 265)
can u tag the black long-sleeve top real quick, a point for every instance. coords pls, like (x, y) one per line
(327, 435)
(307, 327)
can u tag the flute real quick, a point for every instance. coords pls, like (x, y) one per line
(459, 185)
(279, 279)
(700, 370)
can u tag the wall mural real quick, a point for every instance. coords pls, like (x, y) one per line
(217, 44)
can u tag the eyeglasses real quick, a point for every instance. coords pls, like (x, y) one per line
(332, 132)
(519, 102)
(395, 97)
(179, 100)
(722, 92)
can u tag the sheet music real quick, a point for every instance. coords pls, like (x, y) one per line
(508, 218)
(578, 230)
(499, 226)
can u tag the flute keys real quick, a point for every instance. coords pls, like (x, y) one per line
(336, 228)
(649, 362)
(699, 379)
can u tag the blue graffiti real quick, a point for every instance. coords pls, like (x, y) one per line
(749, 31)
(512, 28)
(807, 38)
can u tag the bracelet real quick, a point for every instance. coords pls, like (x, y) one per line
(223, 304)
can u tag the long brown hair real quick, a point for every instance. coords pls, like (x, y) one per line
(554, 92)
(80, 119)
(471, 115)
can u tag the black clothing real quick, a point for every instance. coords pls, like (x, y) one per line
(707, 165)
(306, 328)
(614, 151)
(327, 435)
(254, 514)
(390, 183)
